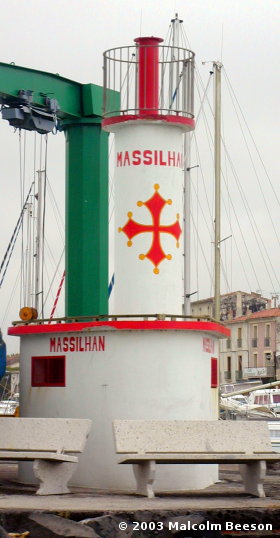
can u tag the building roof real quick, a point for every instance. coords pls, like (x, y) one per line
(266, 313)
(246, 293)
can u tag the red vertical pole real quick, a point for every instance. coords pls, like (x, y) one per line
(148, 78)
(57, 296)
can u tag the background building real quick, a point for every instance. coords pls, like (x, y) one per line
(233, 305)
(253, 349)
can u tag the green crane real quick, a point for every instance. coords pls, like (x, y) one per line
(31, 99)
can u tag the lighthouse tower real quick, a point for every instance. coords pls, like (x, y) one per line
(156, 108)
(175, 357)
(146, 360)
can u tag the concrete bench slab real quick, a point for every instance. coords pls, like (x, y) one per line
(52, 443)
(145, 443)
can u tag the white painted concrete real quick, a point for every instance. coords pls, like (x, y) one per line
(139, 375)
(138, 290)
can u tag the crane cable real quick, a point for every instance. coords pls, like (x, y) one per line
(43, 222)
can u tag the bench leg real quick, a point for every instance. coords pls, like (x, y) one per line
(253, 475)
(53, 476)
(145, 475)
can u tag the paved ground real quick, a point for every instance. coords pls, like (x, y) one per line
(225, 495)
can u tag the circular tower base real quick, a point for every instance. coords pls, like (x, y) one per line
(121, 370)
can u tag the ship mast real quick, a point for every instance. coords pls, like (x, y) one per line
(176, 22)
(217, 291)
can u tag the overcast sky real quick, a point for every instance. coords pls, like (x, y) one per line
(69, 36)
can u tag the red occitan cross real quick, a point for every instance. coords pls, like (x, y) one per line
(132, 228)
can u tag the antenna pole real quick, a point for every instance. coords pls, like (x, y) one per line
(217, 291)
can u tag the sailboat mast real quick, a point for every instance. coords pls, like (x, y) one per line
(28, 295)
(217, 291)
(186, 148)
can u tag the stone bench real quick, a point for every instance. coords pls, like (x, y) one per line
(52, 443)
(145, 443)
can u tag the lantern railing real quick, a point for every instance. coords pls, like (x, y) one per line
(172, 74)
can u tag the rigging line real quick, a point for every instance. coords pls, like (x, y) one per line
(48, 281)
(40, 153)
(224, 271)
(255, 171)
(196, 235)
(49, 253)
(130, 63)
(233, 236)
(111, 178)
(164, 55)
(35, 151)
(9, 258)
(234, 240)
(56, 210)
(179, 80)
(201, 99)
(211, 217)
(222, 264)
(254, 143)
(112, 213)
(167, 45)
(202, 251)
(255, 227)
(202, 212)
(184, 34)
(207, 130)
(20, 167)
(24, 260)
(227, 183)
(243, 239)
(111, 192)
(4, 387)
(11, 297)
(54, 276)
(18, 224)
(34, 198)
(43, 224)
(24, 163)
(210, 142)
(21, 205)
(243, 198)
(204, 185)
(197, 217)
(210, 212)
(196, 251)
